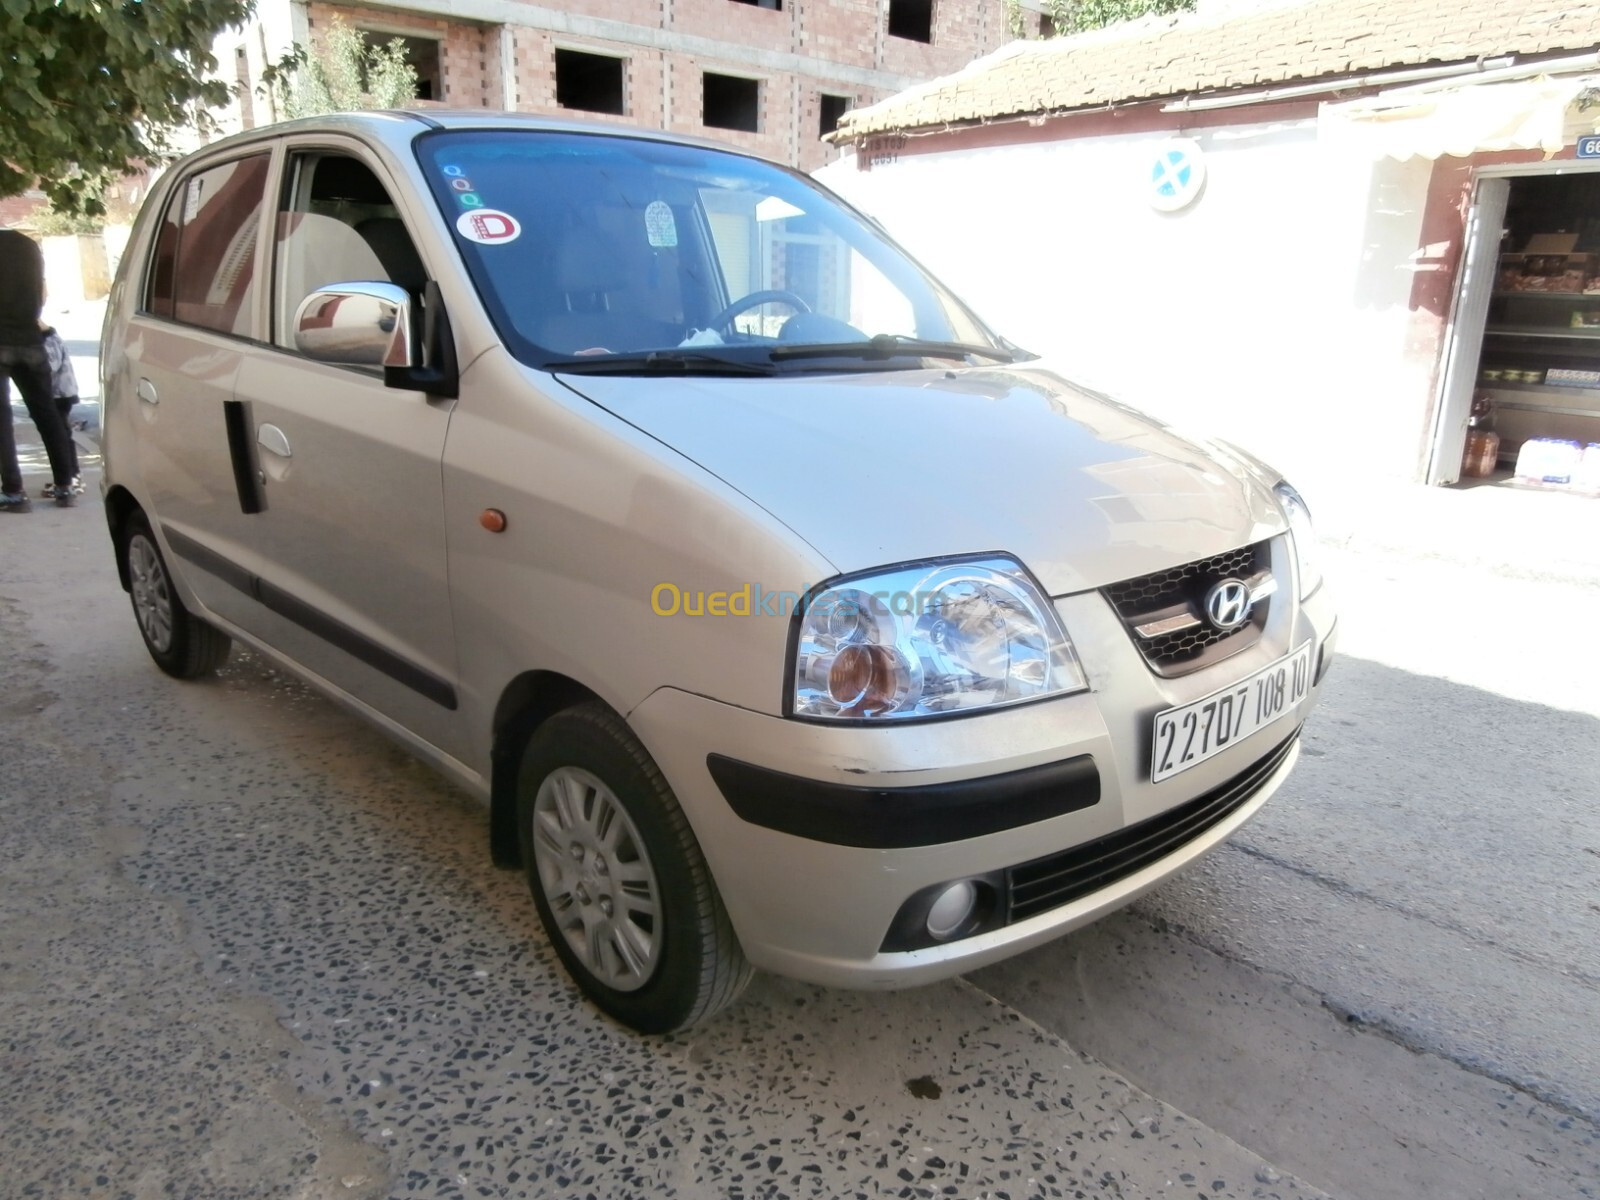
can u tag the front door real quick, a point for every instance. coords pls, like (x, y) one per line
(351, 537)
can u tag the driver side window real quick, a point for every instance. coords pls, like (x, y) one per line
(337, 224)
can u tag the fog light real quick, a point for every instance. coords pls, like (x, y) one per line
(952, 910)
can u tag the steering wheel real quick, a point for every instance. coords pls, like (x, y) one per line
(724, 319)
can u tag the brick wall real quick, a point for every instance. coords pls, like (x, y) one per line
(19, 208)
(469, 66)
(663, 86)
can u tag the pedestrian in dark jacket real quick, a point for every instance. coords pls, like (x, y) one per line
(23, 360)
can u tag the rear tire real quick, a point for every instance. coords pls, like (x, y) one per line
(182, 645)
(618, 878)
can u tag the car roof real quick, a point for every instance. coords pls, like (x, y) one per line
(396, 128)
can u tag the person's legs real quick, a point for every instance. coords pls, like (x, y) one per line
(64, 407)
(30, 371)
(10, 472)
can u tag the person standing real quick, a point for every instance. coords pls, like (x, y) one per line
(23, 360)
(64, 387)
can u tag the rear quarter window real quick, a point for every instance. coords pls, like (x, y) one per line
(203, 265)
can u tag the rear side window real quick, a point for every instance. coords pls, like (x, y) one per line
(203, 270)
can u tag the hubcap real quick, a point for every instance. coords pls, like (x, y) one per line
(597, 878)
(152, 594)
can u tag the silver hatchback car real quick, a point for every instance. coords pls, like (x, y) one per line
(784, 614)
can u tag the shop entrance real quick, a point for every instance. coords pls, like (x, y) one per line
(1521, 401)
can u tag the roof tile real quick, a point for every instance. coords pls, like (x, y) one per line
(1158, 57)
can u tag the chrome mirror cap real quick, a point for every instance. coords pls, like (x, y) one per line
(360, 324)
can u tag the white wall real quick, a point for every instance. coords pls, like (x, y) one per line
(1273, 311)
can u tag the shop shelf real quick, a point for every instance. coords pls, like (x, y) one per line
(1533, 390)
(1567, 296)
(1545, 331)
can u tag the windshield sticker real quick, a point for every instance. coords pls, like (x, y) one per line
(659, 225)
(488, 226)
(462, 187)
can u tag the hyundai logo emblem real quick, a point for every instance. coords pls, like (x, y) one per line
(1228, 604)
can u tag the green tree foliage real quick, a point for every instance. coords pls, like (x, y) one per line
(342, 72)
(1075, 16)
(89, 86)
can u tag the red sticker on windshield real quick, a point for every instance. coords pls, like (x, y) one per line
(488, 226)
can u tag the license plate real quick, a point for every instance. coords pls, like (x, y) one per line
(1188, 735)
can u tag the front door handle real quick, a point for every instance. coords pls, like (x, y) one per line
(146, 391)
(273, 440)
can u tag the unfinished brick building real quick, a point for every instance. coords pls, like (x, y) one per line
(770, 75)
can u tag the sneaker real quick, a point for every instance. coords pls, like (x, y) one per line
(75, 488)
(64, 497)
(15, 504)
(77, 485)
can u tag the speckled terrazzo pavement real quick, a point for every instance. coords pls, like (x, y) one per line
(250, 949)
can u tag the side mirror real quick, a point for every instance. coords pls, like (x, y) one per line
(356, 324)
(377, 325)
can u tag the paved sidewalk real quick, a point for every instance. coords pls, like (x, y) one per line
(1500, 527)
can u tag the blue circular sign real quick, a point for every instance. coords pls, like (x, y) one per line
(1177, 174)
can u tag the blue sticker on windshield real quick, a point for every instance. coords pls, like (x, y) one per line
(462, 187)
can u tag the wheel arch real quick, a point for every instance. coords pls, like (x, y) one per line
(120, 505)
(527, 702)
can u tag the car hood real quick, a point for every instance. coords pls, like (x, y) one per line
(887, 467)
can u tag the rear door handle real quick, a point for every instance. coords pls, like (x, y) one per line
(146, 391)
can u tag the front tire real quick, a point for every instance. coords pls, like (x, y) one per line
(618, 879)
(182, 645)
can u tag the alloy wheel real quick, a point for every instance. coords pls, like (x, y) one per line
(152, 592)
(597, 878)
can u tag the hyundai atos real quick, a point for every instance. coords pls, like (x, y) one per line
(784, 614)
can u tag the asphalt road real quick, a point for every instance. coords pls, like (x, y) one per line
(250, 949)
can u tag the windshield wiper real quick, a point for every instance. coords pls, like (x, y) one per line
(658, 362)
(889, 345)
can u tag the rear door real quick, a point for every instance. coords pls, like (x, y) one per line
(202, 307)
(351, 536)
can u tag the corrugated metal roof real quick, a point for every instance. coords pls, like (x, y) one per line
(1160, 57)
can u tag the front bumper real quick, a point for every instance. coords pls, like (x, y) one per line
(817, 839)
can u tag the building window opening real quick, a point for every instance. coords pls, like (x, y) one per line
(774, 5)
(731, 102)
(911, 19)
(422, 55)
(833, 107)
(592, 82)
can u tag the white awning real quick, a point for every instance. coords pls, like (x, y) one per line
(1461, 119)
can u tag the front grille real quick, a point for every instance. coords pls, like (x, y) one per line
(1047, 883)
(1183, 589)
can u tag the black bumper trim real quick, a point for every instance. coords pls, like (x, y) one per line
(896, 818)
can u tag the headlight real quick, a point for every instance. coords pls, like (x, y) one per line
(1303, 537)
(929, 640)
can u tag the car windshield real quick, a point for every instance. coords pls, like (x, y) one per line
(610, 253)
